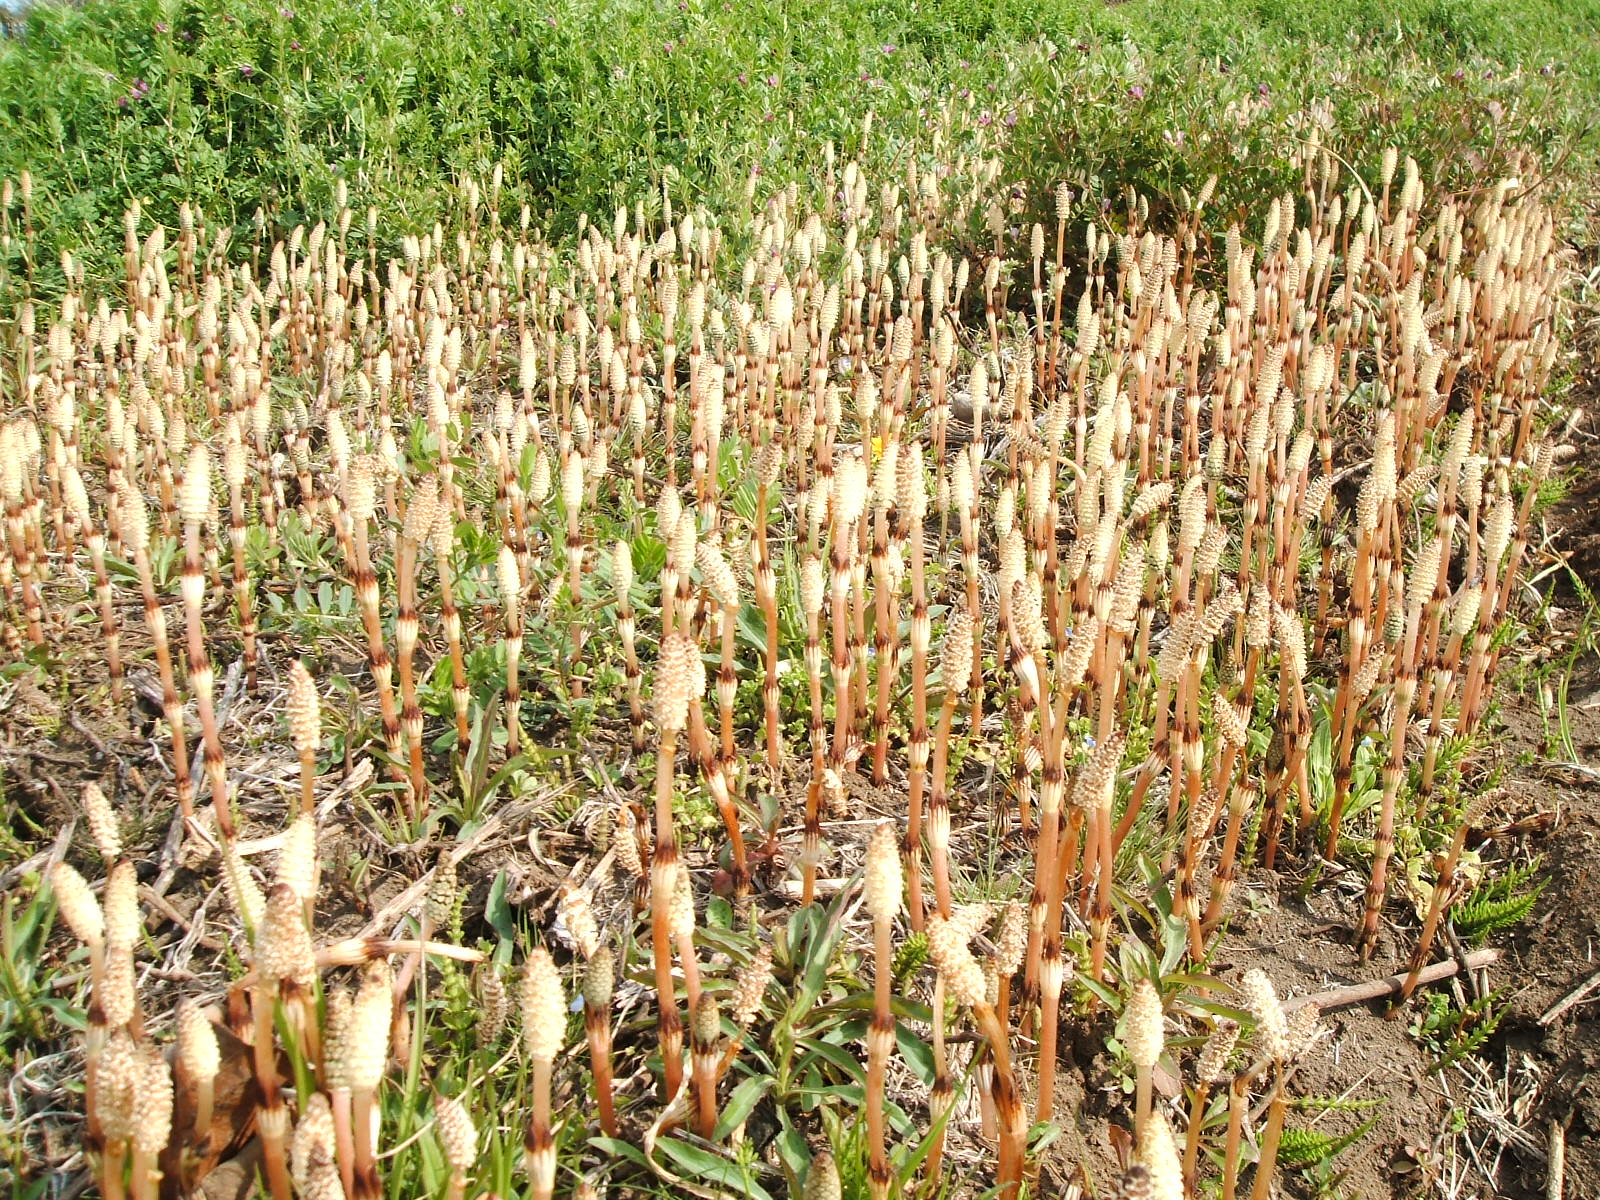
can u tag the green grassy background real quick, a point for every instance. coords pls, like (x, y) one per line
(247, 104)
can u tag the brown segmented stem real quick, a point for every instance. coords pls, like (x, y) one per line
(156, 622)
(377, 653)
(767, 599)
(663, 864)
(1238, 1096)
(200, 683)
(110, 629)
(1272, 1136)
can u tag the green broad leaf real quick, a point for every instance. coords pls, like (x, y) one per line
(1108, 996)
(740, 1104)
(901, 1122)
(118, 568)
(1189, 979)
(1041, 1135)
(713, 1167)
(851, 1030)
(854, 1094)
(917, 1053)
(792, 1149)
(719, 913)
(821, 948)
(752, 626)
(620, 1148)
(837, 1055)
(1174, 943)
(492, 785)
(497, 909)
(802, 922)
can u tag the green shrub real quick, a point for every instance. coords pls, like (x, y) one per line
(266, 104)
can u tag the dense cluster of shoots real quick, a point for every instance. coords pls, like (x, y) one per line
(1151, 505)
(318, 1124)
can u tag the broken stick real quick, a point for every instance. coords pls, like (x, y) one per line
(1359, 993)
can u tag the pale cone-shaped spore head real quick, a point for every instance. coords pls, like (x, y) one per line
(955, 661)
(135, 519)
(961, 488)
(510, 580)
(811, 585)
(572, 482)
(76, 496)
(233, 458)
(1213, 1064)
(361, 486)
(1261, 1002)
(152, 1102)
(911, 484)
(367, 1048)
(118, 990)
(303, 709)
(194, 498)
(116, 1083)
(822, 1178)
(1097, 780)
(422, 511)
(336, 1037)
(599, 980)
(1159, 1154)
(706, 1021)
(852, 487)
(1011, 942)
(947, 946)
(1230, 728)
(121, 904)
(539, 479)
(682, 547)
(442, 537)
(76, 903)
(284, 953)
(544, 1009)
(769, 464)
(622, 571)
(669, 507)
(457, 1136)
(246, 897)
(494, 1006)
(680, 914)
(881, 888)
(1145, 1036)
(198, 1053)
(718, 575)
(751, 986)
(675, 676)
(443, 891)
(297, 857)
(102, 822)
(313, 1142)
(1305, 1028)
